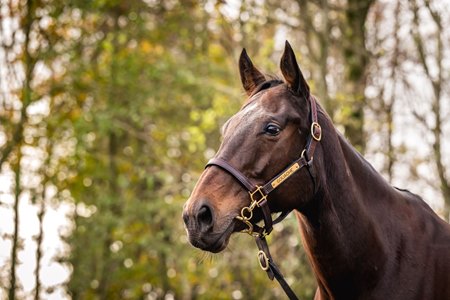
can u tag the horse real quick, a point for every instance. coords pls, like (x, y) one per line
(364, 238)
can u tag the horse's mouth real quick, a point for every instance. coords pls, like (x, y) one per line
(212, 242)
(217, 240)
(214, 247)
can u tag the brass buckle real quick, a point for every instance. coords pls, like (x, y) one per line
(249, 230)
(247, 211)
(262, 257)
(246, 219)
(256, 202)
(313, 126)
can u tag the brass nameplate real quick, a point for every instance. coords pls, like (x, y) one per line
(285, 175)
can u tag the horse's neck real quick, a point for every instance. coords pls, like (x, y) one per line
(340, 231)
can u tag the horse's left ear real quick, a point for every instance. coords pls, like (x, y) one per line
(292, 74)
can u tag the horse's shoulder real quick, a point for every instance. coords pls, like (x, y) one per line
(421, 220)
(415, 201)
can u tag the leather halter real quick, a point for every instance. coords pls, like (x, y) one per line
(258, 196)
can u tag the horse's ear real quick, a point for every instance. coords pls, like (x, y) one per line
(250, 76)
(291, 72)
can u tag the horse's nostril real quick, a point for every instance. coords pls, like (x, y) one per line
(204, 217)
(185, 218)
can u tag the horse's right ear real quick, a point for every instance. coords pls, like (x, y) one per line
(250, 76)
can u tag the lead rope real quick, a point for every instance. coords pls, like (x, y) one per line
(267, 264)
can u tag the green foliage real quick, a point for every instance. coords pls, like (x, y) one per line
(152, 85)
(150, 88)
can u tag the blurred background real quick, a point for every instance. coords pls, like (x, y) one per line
(109, 110)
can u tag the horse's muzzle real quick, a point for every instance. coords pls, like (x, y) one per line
(202, 231)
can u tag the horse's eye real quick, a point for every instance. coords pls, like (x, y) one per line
(272, 129)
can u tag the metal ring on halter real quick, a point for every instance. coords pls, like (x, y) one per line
(309, 162)
(247, 211)
(250, 213)
(319, 136)
(303, 154)
(246, 219)
(262, 257)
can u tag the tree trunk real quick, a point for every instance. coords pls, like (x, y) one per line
(39, 240)
(16, 144)
(437, 87)
(15, 239)
(389, 103)
(356, 59)
(41, 214)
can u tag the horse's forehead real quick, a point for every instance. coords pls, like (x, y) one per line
(259, 106)
(244, 118)
(274, 99)
(269, 101)
(251, 112)
(248, 115)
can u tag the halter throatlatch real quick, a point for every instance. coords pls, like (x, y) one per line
(259, 198)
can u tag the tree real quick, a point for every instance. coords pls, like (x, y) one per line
(29, 74)
(430, 54)
(15, 130)
(388, 56)
(334, 35)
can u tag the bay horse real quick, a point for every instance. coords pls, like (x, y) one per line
(364, 238)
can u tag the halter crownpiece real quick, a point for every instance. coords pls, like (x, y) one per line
(258, 198)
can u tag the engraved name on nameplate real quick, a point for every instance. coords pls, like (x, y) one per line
(285, 175)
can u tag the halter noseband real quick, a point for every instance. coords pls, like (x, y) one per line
(258, 196)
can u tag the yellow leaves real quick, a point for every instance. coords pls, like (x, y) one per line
(149, 48)
(158, 135)
(220, 103)
(206, 118)
(82, 96)
(74, 114)
(216, 53)
(209, 120)
(197, 139)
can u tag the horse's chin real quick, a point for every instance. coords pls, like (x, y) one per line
(218, 246)
(214, 242)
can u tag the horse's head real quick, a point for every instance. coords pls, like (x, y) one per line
(262, 139)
